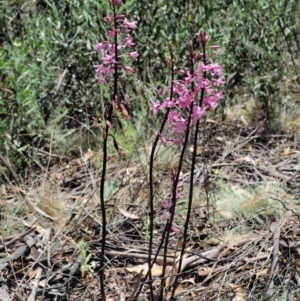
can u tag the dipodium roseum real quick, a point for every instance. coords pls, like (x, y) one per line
(199, 87)
(167, 204)
(117, 45)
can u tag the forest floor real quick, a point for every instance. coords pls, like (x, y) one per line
(243, 238)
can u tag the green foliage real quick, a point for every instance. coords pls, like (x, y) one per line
(48, 56)
(259, 43)
(86, 267)
(255, 39)
(144, 227)
(47, 60)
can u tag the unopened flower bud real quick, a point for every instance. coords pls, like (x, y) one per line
(103, 133)
(124, 111)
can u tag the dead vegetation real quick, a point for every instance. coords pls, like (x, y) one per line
(243, 240)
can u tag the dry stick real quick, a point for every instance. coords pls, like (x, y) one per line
(46, 242)
(211, 255)
(29, 241)
(136, 285)
(155, 258)
(4, 296)
(14, 175)
(14, 238)
(275, 228)
(35, 284)
(270, 169)
(226, 152)
(40, 211)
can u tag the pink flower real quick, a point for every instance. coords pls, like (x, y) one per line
(107, 18)
(127, 24)
(127, 69)
(219, 81)
(134, 55)
(162, 140)
(211, 102)
(99, 46)
(155, 107)
(167, 204)
(197, 113)
(186, 100)
(128, 42)
(119, 17)
(177, 141)
(109, 59)
(173, 116)
(112, 33)
(204, 68)
(179, 127)
(168, 103)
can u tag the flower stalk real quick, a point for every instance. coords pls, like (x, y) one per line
(108, 72)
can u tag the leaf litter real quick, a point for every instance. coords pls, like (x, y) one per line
(242, 252)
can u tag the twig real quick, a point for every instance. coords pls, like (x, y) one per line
(15, 238)
(37, 209)
(35, 284)
(136, 285)
(170, 260)
(275, 228)
(7, 165)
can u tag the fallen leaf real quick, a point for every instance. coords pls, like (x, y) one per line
(246, 159)
(39, 228)
(88, 155)
(4, 294)
(116, 284)
(240, 294)
(143, 268)
(128, 214)
(249, 147)
(95, 122)
(264, 272)
(170, 272)
(287, 152)
(202, 271)
(189, 281)
(198, 150)
(130, 171)
(226, 214)
(244, 120)
(183, 286)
